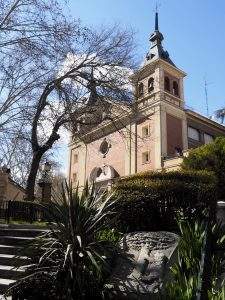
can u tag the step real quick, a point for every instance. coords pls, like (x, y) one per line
(5, 298)
(4, 284)
(12, 260)
(20, 232)
(10, 272)
(7, 249)
(23, 226)
(15, 240)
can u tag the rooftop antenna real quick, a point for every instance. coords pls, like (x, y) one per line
(206, 84)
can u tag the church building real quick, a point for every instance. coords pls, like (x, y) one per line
(151, 135)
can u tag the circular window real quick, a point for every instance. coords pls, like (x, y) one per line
(104, 147)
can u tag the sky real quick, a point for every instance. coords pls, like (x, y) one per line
(194, 36)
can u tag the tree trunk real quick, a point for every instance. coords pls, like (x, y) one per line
(32, 175)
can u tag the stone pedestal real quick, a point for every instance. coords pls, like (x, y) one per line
(143, 267)
(46, 191)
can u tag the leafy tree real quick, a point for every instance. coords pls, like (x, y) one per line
(209, 157)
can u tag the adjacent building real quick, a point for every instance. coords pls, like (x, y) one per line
(9, 189)
(152, 133)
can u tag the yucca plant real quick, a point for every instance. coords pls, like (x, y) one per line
(218, 295)
(186, 272)
(70, 251)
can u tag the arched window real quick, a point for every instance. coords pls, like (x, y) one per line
(175, 88)
(140, 89)
(167, 84)
(150, 84)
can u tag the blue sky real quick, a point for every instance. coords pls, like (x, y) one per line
(194, 35)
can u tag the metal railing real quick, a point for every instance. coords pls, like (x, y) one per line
(21, 211)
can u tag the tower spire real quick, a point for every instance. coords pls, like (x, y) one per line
(156, 38)
(156, 18)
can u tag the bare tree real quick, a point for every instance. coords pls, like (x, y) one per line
(32, 32)
(80, 88)
(53, 71)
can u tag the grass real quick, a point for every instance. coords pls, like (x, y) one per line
(21, 222)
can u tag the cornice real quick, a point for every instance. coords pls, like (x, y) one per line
(151, 66)
(111, 126)
(194, 115)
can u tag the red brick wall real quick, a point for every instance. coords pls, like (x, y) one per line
(174, 134)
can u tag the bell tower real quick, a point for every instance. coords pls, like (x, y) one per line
(158, 88)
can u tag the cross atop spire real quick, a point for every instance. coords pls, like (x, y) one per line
(156, 38)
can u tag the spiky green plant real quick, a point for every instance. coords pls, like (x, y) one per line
(70, 249)
(218, 295)
(185, 273)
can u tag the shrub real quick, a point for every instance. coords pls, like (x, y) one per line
(210, 157)
(110, 235)
(151, 200)
(186, 274)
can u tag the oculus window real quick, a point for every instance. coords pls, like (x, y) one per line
(104, 147)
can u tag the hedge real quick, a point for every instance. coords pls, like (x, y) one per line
(209, 157)
(152, 200)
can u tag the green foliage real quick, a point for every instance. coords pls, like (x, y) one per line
(210, 157)
(71, 253)
(151, 200)
(217, 295)
(185, 273)
(111, 235)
